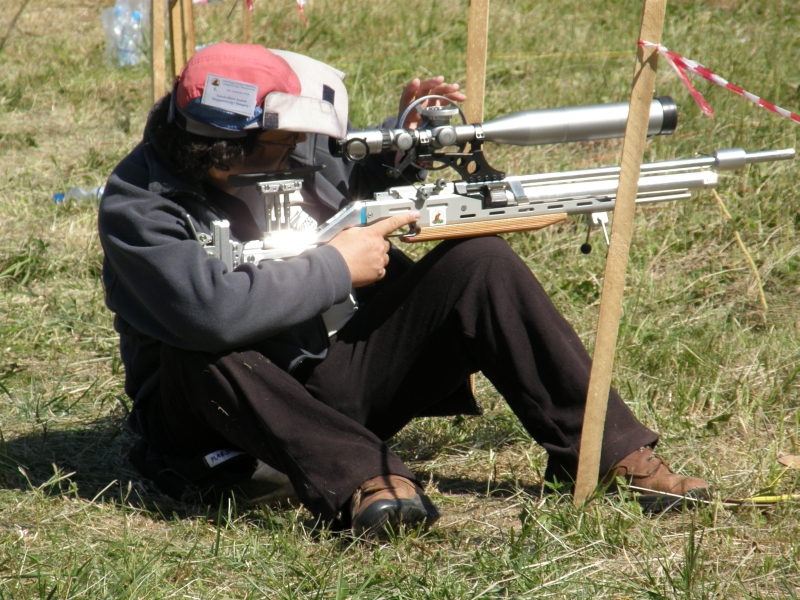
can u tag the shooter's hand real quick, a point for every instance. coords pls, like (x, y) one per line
(365, 249)
(431, 86)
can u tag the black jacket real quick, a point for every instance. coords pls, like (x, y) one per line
(163, 288)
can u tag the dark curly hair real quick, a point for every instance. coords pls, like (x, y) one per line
(194, 154)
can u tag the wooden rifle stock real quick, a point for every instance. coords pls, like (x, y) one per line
(463, 230)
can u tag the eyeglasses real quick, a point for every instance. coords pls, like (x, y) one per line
(270, 155)
(291, 142)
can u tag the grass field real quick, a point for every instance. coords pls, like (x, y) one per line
(698, 359)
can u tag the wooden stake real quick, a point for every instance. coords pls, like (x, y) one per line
(617, 261)
(247, 24)
(188, 28)
(157, 55)
(477, 37)
(176, 36)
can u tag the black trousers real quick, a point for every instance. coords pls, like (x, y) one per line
(467, 306)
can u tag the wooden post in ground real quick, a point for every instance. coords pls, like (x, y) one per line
(247, 23)
(477, 38)
(157, 56)
(188, 29)
(158, 73)
(181, 33)
(617, 261)
(176, 41)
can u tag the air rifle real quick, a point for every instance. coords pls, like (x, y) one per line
(484, 201)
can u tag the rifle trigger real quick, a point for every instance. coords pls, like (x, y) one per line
(413, 231)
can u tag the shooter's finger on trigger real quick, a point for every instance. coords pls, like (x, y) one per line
(390, 224)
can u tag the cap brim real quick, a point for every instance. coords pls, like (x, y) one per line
(187, 123)
(321, 106)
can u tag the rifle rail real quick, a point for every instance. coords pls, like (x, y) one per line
(466, 209)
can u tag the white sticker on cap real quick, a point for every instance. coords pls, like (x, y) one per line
(231, 95)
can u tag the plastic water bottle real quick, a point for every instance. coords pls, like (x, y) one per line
(130, 40)
(114, 20)
(124, 26)
(77, 194)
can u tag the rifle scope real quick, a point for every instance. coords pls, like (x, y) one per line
(527, 128)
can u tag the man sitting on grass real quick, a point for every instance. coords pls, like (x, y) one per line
(225, 366)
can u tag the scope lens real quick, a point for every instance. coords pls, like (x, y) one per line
(356, 150)
(670, 115)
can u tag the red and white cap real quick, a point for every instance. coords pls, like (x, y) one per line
(226, 90)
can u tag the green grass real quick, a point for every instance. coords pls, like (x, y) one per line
(696, 359)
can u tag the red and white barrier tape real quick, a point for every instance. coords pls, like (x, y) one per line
(300, 5)
(682, 64)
